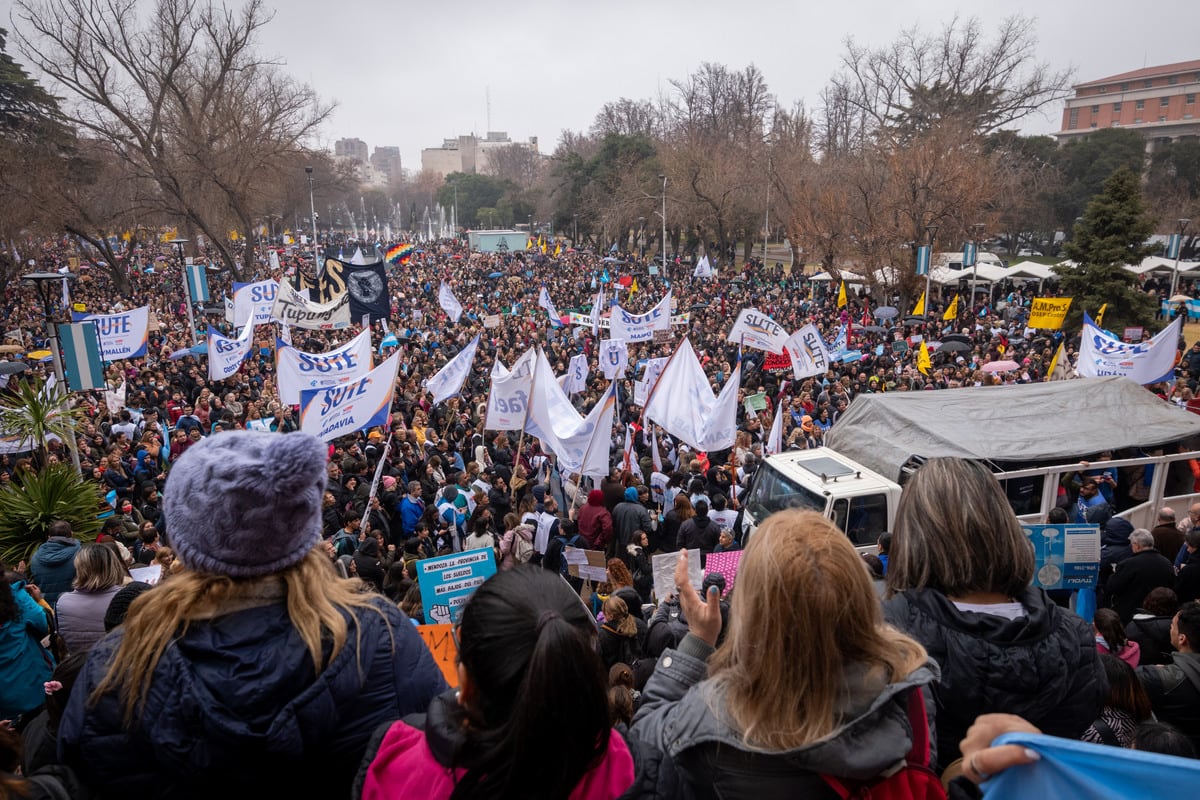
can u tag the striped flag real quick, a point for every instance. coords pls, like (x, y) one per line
(197, 281)
(80, 344)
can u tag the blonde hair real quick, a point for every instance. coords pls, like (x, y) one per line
(97, 567)
(316, 601)
(805, 610)
(617, 618)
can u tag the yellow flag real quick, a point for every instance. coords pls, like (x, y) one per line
(233, 236)
(923, 362)
(951, 310)
(633, 287)
(1058, 370)
(529, 243)
(842, 296)
(919, 310)
(126, 236)
(558, 250)
(1100, 315)
(543, 248)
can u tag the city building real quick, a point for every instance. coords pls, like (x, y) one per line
(468, 153)
(386, 169)
(1158, 102)
(354, 149)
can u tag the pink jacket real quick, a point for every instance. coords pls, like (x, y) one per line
(1131, 653)
(404, 767)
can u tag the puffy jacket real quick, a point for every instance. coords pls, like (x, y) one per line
(235, 708)
(81, 617)
(688, 750)
(595, 521)
(1174, 692)
(698, 533)
(1042, 666)
(1135, 578)
(628, 518)
(1153, 635)
(24, 663)
(52, 568)
(412, 760)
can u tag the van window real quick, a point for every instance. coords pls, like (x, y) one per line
(773, 492)
(862, 518)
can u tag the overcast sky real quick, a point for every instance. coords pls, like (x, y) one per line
(411, 74)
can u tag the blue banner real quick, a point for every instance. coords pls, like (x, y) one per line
(968, 254)
(1068, 556)
(122, 335)
(80, 346)
(197, 282)
(446, 583)
(923, 253)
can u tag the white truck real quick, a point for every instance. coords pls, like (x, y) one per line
(1031, 435)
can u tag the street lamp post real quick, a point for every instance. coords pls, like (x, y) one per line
(575, 230)
(312, 206)
(663, 178)
(642, 238)
(187, 296)
(1183, 223)
(931, 232)
(978, 226)
(43, 282)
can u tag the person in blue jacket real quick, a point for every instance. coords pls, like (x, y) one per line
(52, 567)
(256, 670)
(25, 665)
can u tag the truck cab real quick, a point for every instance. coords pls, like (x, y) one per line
(860, 502)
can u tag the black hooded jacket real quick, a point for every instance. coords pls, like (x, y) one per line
(1042, 666)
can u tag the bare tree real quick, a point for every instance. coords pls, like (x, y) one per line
(516, 163)
(629, 118)
(182, 96)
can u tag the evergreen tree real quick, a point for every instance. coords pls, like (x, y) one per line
(28, 112)
(1112, 233)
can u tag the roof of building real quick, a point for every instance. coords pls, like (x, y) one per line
(1160, 71)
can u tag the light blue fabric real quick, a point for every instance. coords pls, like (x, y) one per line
(1083, 771)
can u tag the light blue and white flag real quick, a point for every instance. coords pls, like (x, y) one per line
(449, 379)
(197, 281)
(80, 345)
(1145, 362)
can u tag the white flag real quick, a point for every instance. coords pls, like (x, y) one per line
(545, 302)
(449, 303)
(449, 379)
(703, 268)
(596, 309)
(1143, 362)
(340, 410)
(683, 404)
(655, 457)
(509, 395)
(755, 329)
(273, 261)
(225, 355)
(614, 357)
(296, 371)
(775, 439)
(285, 334)
(580, 443)
(577, 374)
(641, 327)
(809, 355)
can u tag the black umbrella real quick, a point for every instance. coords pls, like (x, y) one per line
(954, 347)
(12, 367)
(956, 337)
(699, 306)
(871, 328)
(914, 320)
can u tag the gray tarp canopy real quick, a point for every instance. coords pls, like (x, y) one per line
(1056, 422)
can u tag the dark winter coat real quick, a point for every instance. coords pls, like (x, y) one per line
(698, 533)
(1187, 585)
(52, 568)
(1174, 692)
(1042, 666)
(235, 709)
(1135, 578)
(1153, 635)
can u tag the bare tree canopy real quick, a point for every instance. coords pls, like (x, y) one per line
(182, 95)
(960, 74)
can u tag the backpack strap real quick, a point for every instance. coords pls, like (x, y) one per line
(1107, 735)
(918, 754)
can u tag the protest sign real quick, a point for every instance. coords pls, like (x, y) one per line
(755, 329)
(122, 335)
(1133, 333)
(447, 582)
(440, 641)
(727, 565)
(225, 355)
(640, 327)
(756, 402)
(663, 566)
(1068, 556)
(1144, 362)
(491, 321)
(354, 406)
(297, 370)
(777, 363)
(614, 357)
(294, 308)
(253, 302)
(1048, 312)
(590, 565)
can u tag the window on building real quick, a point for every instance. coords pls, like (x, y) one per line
(1163, 102)
(1162, 118)
(1124, 87)
(1102, 90)
(1116, 108)
(1074, 119)
(1139, 105)
(1174, 79)
(1095, 109)
(1137, 121)
(1189, 98)
(1147, 84)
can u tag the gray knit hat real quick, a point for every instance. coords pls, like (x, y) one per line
(246, 503)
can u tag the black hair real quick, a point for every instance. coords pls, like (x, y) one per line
(1159, 737)
(1057, 516)
(1108, 624)
(9, 611)
(1187, 621)
(528, 645)
(885, 542)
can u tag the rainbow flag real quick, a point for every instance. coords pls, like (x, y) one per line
(400, 253)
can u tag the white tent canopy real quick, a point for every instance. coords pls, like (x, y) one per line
(850, 277)
(981, 273)
(1031, 269)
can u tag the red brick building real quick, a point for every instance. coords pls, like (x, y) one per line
(1158, 102)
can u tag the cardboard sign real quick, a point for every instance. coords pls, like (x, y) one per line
(777, 362)
(491, 321)
(727, 565)
(1048, 312)
(440, 641)
(591, 565)
(1134, 333)
(447, 582)
(1068, 556)
(663, 566)
(661, 337)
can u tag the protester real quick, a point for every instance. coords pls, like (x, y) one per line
(24, 663)
(1110, 637)
(527, 652)
(1145, 570)
(1126, 707)
(1151, 626)
(806, 684)
(280, 670)
(52, 567)
(959, 577)
(1174, 689)
(99, 575)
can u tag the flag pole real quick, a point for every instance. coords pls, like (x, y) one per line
(654, 388)
(525, 422)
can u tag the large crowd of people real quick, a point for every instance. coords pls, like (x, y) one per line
(275, 650)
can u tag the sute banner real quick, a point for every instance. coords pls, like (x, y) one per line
(349, 407)
(640, 327)
(122, 335)
(755, 329)
(297, 371)
(1048, 313)
(225, 355)
(253, 301)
